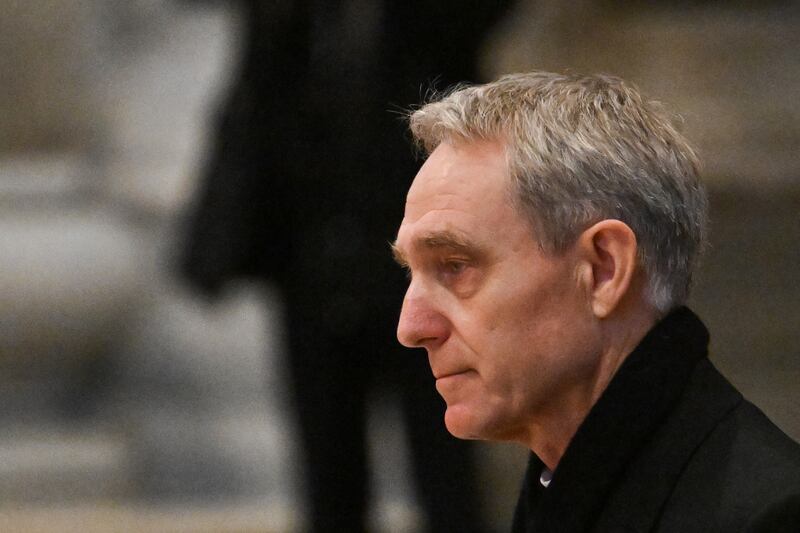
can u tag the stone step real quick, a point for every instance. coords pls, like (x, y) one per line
(254, 516)
(46, 464)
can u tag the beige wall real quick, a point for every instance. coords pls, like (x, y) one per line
(46, 90)
(733, 73)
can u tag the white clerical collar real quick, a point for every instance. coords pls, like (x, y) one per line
(546, 477)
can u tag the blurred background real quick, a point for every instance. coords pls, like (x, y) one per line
(128, 402)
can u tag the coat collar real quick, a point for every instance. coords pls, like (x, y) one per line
(644, 392)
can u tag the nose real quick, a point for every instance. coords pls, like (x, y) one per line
(421, 325)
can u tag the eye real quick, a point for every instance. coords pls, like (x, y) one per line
(455, 267)
(452, 269)
(459, 275)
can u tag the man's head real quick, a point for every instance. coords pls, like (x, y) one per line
(582, 149)
(549, 207)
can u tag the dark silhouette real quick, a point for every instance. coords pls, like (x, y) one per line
(306, 188)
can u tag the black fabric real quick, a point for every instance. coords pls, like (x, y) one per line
(306, 188)
(669, 446)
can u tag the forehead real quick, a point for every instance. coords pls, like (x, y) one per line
(462, 172)
(462, 190)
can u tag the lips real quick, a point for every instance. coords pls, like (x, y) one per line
(444, 366)
(450, 386)
(443, 375)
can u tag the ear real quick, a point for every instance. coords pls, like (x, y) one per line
(608, 250)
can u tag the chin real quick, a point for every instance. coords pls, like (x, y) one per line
(469, 424)
(462, 424)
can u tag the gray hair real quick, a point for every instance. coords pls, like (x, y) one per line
(582, 149)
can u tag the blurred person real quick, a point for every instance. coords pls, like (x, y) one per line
(551, 236)
(303, 189)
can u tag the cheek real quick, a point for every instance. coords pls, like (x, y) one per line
(517, 326)
(507, 363)
(529, 342)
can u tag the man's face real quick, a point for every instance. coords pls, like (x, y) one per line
(505, 325)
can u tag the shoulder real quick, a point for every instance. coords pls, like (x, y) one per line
(717, 463)
(748, 451)
(747, 471)
(782, 516)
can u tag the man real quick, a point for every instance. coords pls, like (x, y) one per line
(550, 238)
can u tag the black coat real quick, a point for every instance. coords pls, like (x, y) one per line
(306, 188)
(669, 446)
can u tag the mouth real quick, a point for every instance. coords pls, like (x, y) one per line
(450, 374)
(450, 385)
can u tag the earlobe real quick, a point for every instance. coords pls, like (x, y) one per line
(609, 249)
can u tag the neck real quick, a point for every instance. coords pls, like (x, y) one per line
(618, 335)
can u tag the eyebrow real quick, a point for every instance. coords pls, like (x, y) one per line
(398, 256)
(438, 239)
